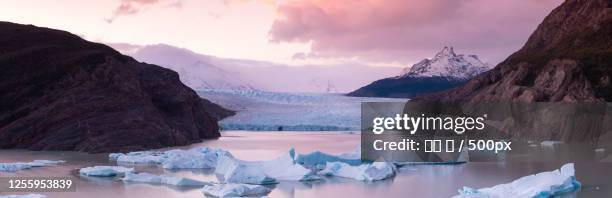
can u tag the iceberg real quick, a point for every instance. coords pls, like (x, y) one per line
(184, 159)
(365, 172)
(234, 190)
(16, 166)
(105, 171)
(24, 196)
(317, 159)
(236, 171)
(545, 184)
(550, 143)
(160, 179)
(282, 168)
(139, 157)
(201, 157)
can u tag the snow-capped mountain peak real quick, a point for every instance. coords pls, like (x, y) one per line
(447, 64)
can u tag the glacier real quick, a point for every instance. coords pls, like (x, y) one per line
(545, 184)
(161, 179)
(16, 166)
(273, 111)
(105, 171)
(235, 190)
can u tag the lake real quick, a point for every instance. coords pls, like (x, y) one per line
(411, 181)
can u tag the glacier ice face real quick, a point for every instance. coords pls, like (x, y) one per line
(269, 111)
(545, 184)
(160, 179)
(24, 196)
(364, 172)
(235, 190)
(12, 167)
(105, 171)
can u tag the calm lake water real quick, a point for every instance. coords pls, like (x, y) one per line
(412, 181)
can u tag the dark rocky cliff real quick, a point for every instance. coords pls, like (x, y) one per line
(567, 58)
(60, 92)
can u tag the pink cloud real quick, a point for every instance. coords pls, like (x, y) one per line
(131, 7)
(408, 30)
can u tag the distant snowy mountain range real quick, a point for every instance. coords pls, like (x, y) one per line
(444, 71)
(209, 72)
(447, 64)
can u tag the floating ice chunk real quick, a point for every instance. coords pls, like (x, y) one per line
(139, 157)
(160, 179)
(40, 163)
(179, 159)
(12, 167)
(282, 168)
(236, 171)
(317, 159)
(550, 143)
(285, 168)
(364, 172)
(24, 196)
(105, 171)
(234, 190)
(545, 184)
(114, 156)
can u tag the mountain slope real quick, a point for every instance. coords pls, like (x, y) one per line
(209, 72)
(60, 92)
(444, 71)
(567, 58)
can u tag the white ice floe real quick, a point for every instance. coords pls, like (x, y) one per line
(282, 168)
(161, 179)
(105, 171)
(237, 171)
(550, 143)
(24, 196)
(317, 159)
(12, 167)
(364, 172)
(545, 184)
(187, 159)
(234, 190)
(195, 158)
(139, 157)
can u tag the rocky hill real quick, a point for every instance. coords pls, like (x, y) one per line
(60, 92)
(567, 58)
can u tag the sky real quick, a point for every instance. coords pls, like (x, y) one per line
(372, 32)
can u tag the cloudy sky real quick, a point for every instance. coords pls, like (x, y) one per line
(375, 32)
